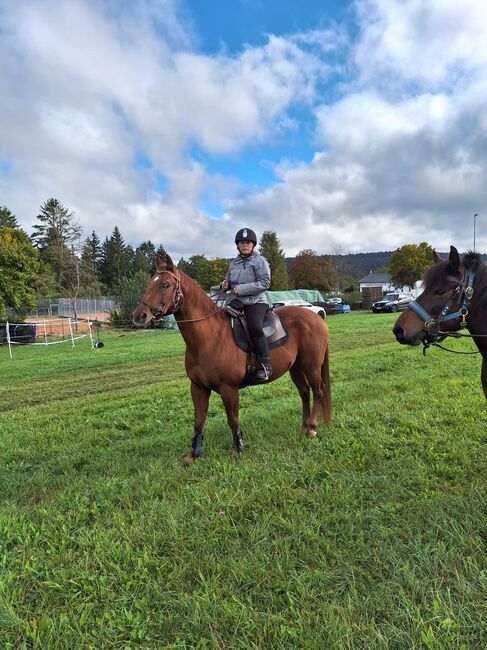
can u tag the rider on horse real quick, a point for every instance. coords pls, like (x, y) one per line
(248, 277)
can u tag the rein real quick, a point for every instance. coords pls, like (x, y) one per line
(177, 298)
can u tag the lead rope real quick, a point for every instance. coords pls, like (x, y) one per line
(453, 335)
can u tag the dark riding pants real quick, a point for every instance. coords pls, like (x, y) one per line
(255, 315)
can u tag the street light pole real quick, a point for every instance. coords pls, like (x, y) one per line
(474, 223)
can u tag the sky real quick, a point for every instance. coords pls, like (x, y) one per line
(344, 127)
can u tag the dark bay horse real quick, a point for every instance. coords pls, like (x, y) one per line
(214, 361)
(454, 299)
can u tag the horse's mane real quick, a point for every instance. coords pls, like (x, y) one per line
(199, 298)
(473, 261)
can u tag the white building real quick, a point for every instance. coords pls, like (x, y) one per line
(383, 282)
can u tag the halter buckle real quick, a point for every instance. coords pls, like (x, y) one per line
(432, 327)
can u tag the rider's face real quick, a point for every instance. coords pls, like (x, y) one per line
(245, 247)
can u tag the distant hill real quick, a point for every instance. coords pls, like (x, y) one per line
(358, 265)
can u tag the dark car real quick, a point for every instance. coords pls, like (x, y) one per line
(392, 302)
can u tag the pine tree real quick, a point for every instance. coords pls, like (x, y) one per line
(144, 259)
(7, 219)
(161, 251)
(89, 269)
(116, 259)
(91, 253)
(270, 249)
(57, 239)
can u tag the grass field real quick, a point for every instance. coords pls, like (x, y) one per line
(373, 535)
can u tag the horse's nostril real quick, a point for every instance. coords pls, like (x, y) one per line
(398, 333)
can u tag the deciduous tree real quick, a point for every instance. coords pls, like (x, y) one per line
(408, 263)
(19, 272)
(207, 272)
(310, 271)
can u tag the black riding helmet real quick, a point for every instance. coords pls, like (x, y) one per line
(246, 234)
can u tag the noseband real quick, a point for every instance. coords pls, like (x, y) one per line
(461, 297)
(171, 305)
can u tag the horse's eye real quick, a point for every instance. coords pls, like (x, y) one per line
(440, 292)
(165, 285)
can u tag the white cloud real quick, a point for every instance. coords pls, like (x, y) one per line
(430, 43)
(404, 149)
(401, 139)
(85, 90)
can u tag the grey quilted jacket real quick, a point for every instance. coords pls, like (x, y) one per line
(252, 276)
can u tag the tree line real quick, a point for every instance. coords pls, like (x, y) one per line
(55, 260)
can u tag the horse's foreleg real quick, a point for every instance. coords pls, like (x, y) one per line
(230, 399)
(201, 397)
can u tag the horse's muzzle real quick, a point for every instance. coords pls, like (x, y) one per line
(403, 338)
(141, 316)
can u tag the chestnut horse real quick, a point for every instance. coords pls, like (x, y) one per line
(215, 362)
(454, 298)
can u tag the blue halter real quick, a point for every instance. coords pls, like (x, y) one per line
(464, 289)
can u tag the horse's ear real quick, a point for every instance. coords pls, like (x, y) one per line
(159, 263)
(169, 263)
(454, 259)
(436, 257)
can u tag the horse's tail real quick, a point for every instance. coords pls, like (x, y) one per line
(326, 387)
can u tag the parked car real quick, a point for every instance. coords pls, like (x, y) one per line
(334, 301)
(392, 302)
(301, 303)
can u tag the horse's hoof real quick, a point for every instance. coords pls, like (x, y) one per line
(311, 433)
(189, 458)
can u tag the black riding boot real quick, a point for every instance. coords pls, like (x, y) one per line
(264, 370)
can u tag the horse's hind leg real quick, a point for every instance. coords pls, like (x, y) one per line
(316, 382)
(230, 399)
(301, 383)
(201, 397)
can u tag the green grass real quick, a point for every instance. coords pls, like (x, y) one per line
(372, 535)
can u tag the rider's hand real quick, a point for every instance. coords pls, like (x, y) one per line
(224, 285)
(235, 291)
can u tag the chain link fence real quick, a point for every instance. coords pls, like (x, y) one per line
(67, 308)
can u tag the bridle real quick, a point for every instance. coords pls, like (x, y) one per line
(171, 305)
(461, 298)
